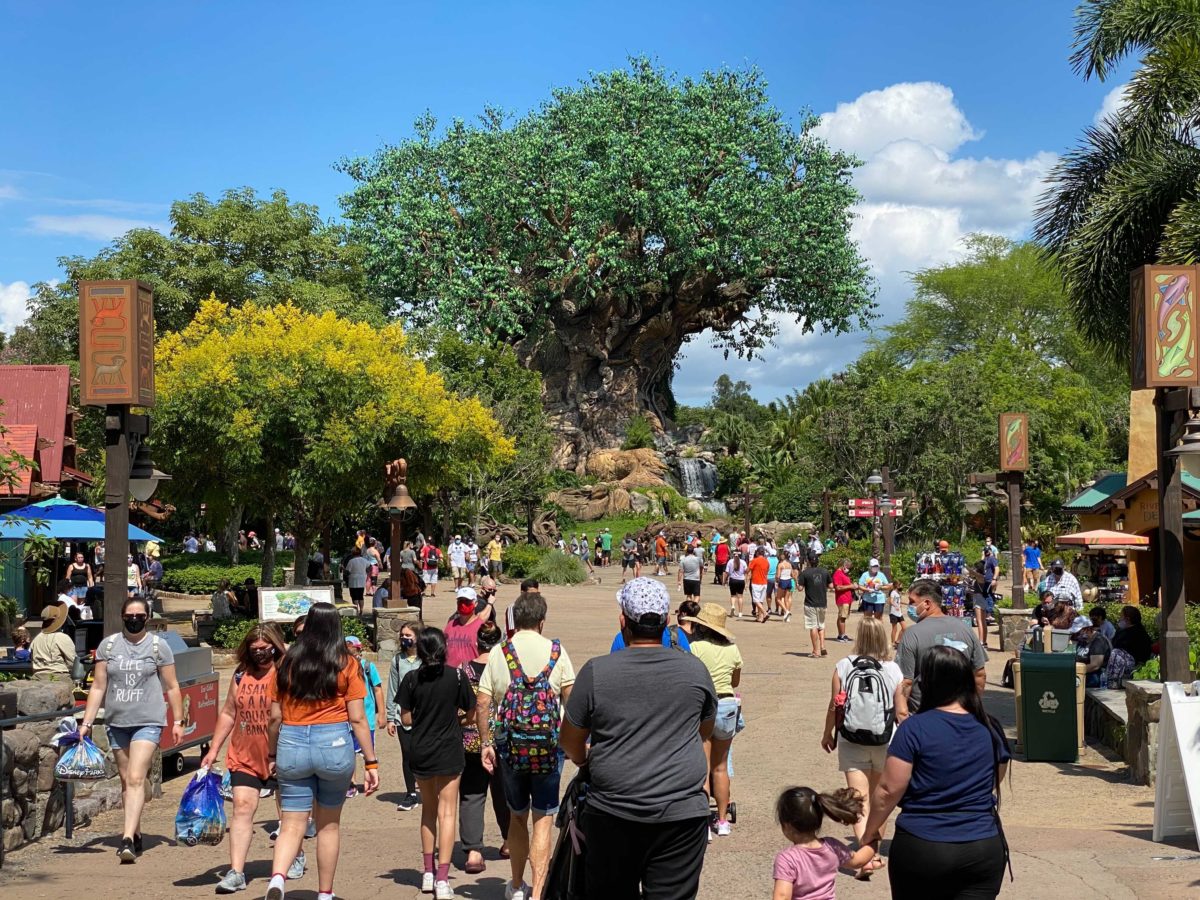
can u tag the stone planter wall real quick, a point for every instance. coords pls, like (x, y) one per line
(1013, 623)
(33, 799)
(1142, 699)
(387, 634)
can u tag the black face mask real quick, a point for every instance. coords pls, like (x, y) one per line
(262, 657)
(407, 643)
(134, 624)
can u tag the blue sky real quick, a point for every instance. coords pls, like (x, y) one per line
(108, 112)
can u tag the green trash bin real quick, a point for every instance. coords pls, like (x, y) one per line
(1048, 706)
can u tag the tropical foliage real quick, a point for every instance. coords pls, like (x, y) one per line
(1129, 194)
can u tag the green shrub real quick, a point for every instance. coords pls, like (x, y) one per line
(559, 568)
(231, 633)
(638, 434)
(187, 577)
(521, 559)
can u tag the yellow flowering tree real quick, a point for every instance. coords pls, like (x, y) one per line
(294, 415)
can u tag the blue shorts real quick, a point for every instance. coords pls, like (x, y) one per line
(871, 607)
(725, 726)
(121, 736)
(523, 790)
(785, 584)
(314, 763)
(354, 737)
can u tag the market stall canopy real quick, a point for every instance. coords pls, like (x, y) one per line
(62, 520)
(1105, 540)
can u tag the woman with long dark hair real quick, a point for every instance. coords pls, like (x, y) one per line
(243, 722)
(948, 841)
(316, 702)
(430, 699)
(134, 669)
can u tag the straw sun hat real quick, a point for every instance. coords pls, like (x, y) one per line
(53, 617)
(712, 615)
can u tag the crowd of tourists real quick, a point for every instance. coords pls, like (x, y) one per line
(494, 704)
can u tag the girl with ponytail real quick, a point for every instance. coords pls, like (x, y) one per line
(809, 867)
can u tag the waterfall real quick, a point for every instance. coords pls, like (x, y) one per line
(698, 478)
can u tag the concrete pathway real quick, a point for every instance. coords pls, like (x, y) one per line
(1076, 831)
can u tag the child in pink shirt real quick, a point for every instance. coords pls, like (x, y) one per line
(807, 870)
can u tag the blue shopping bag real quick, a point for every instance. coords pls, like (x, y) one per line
(81, 761)
(201, 815)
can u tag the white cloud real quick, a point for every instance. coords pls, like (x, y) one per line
(922, 111)
(92, 226)
(8, 192)
(13, 297)
(921, 197)
(1114, 101)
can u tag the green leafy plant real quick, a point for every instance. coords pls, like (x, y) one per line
(203, 578)
(638, 434)
(230, 634)
(521, 559)
(559, 568)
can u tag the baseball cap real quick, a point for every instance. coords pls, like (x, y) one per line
(644, 596)
(458, 537)
(873, 562)
(1057, 562)
(353, 641)
(466, 593)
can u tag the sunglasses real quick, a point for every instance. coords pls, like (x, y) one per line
(138, 617)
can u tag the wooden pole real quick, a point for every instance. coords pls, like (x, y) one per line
(1172, 596)
(887, 523)
(1014, 539)
(116, 513)
(397, 538)
(826, 524)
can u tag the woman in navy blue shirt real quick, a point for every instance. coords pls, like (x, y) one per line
(944, 769)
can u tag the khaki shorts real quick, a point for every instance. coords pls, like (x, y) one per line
(843, 611)
(458, 572)
(814, 618)
(859, 757)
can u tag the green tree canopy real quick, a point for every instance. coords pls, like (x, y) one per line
(296, 414)
(240, 248)
(601, 231)
(1129, 194)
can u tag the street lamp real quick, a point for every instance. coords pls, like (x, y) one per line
(143, 477)
(874, 482)
(1187, 451)
(973, 503)
(399, 500)
(874, 486)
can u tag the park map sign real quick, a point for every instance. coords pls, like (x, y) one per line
(116, 343)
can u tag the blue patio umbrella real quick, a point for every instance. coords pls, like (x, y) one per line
(63, 520)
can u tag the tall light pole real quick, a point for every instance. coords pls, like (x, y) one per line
(874, 486)
(399, 502)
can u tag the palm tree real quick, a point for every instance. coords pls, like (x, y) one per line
(1129, 194)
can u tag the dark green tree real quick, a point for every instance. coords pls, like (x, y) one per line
(1129, 194)
(241, 247)
(601, 231)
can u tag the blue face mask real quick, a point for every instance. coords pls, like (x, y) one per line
(912, 614)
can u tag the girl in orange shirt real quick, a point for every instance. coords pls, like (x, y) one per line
(243, 721)
(316, 701)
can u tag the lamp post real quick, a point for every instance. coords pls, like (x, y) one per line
(398, 502)
(874, 486)
(1014, 460)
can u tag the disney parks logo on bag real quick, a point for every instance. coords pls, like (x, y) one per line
(1048, 703)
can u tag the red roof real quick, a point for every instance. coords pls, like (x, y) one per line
(19, 439)
(39, 396)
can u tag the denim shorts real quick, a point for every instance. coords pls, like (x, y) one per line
(523, 790)
(314, 762)
(725, 726)
(120, 737)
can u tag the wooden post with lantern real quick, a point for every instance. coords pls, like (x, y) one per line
(1164, 354)
(116, 371)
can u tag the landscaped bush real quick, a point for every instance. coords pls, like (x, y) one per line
(521, 559)
(187, 577)
(231, 633)
(559, 568)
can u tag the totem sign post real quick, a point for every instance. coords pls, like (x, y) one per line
(1165, 355)
(116, 371)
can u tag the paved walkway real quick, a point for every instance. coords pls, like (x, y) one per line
(1077, 831)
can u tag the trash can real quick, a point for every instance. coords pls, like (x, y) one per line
(1047, 707)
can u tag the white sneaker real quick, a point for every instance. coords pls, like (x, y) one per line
(442, 891)
(427, 883)
(512, 893)
(724, 829)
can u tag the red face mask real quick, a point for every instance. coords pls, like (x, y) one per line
(465, 609)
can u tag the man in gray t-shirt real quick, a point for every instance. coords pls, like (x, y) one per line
(934, 629)
(691, 569)
(134, 697)
(638, 719)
